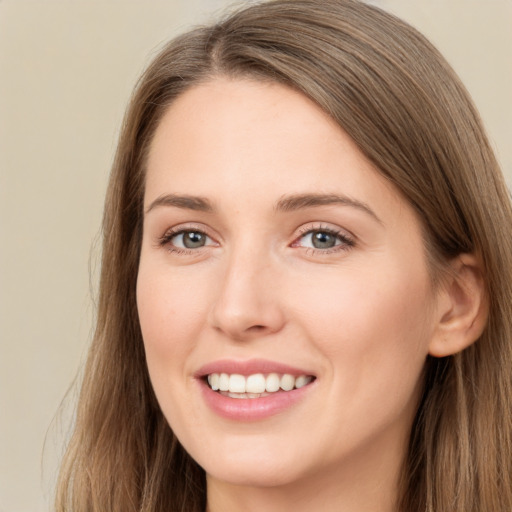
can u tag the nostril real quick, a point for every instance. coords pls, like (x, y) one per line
(257, 328)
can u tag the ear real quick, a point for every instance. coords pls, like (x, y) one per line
(462, 307)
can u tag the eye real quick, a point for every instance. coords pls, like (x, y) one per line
(320, 240)
(323, 239)
(189, 239)
(185, 240)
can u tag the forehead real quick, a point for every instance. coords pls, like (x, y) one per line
(256, 140)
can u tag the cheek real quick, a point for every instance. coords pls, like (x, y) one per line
(171, 314)
(365, 304)
(170, 306)
(372, 327)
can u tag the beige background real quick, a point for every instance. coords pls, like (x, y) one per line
(66, 71)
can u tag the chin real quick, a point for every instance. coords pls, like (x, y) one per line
(258, 469)
(253, 477)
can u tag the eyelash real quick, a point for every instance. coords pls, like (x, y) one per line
(346, 241)
(165, 240)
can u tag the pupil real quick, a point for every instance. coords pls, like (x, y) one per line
(323, 240)
(192, 239)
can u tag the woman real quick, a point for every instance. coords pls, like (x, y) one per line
(306, 280)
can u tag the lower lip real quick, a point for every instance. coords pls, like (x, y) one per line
(252, 409)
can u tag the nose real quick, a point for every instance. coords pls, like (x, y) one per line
(248, 301)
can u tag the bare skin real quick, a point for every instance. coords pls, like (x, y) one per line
(269, 236)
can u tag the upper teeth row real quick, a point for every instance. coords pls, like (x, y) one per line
(257, 383)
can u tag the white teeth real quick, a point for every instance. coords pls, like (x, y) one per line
(287, 382)
(236, 383)
(273, 382)
(302, 381)
(236, 395)
(213, 380)
(256, 385)
(223, 382)
(243, 395)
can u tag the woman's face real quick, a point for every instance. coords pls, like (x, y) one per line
(275, 256)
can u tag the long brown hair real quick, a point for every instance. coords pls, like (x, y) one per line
(405, 108)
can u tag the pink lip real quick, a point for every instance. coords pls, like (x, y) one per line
(249, 367)
(250, 409)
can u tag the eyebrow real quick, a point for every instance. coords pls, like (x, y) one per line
(301, 201)
(286, 203)
(187, 202)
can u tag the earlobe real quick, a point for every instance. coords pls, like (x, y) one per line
(462, 307)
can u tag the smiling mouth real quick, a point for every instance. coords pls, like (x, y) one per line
(256, 385)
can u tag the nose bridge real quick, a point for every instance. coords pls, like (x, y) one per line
(246, 303)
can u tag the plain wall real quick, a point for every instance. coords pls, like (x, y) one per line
(66, 71)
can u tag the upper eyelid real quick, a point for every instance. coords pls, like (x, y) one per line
(299, 232)
(340, 235)
(302, 230)
(321, 226)
(188, 226)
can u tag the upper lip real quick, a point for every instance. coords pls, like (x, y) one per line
(249, 367)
